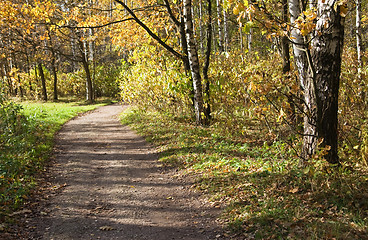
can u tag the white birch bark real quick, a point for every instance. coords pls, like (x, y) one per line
(310, 136)
(201, 35)
(358, 34)
(300, 57)
(241, 39)
(250, 39)
(219, 25)
(226, 33)
(327, 48)
(193, 62)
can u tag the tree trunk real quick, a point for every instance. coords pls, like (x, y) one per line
(193, 62)
(327, 47)
(300, 50)
(37, 80)
(284, 41)
(226, 32)
(184, 47)
(21, 94)
(7, 71)
(358, 33)
(29, 73)
(220, 33)
(89, 87)
(250, 39)
(285, 53)
(54, 72)
(299, 45)
(201, 35)
(19, 79)
(43, 82)
(207, 107)
(241, 39)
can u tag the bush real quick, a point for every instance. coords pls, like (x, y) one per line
(156, 81)
(17, 158)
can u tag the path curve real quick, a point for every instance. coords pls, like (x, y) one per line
(111, 186)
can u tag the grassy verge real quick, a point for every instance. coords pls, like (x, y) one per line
(26, 134)
(263, 191)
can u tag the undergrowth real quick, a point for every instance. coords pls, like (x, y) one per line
(265, 194)
(26, 139)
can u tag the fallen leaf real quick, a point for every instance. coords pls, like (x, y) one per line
(106, 228)
(294, 190)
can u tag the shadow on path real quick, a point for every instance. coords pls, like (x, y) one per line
(112, 187)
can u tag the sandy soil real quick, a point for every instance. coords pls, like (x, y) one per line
(106, 183)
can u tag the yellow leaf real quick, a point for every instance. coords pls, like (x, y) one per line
(246, 3)
(343, 11)
(106, 228)
(236, 10)
(294, 190)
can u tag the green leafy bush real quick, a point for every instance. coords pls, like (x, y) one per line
(17, 153)
(156, 81)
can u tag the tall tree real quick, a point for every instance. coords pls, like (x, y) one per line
(285, 41)
(301, 53)
(226, 30)
(358, 34)
(319, 69)
(194, 62)
(86, 66)
(207, 105)
(219, 26)
(188, 53)
(327, 47)
(43, 81)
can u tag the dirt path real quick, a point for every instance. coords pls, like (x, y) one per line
(110, 186)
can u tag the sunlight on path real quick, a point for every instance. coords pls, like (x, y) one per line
(113, 187)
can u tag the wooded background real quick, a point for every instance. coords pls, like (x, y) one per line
(291, 70)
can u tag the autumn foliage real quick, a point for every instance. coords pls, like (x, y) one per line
(252, 92)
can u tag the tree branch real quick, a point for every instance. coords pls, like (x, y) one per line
(99, 26)
(171, 14)
(152, 34)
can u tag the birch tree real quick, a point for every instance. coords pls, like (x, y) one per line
(189, 51)
(327, 47)
(301, 53)
(319, 69)
(193, 62)
(226, 31)
(358, 34)
(219, 25)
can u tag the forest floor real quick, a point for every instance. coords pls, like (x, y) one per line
(104, 182)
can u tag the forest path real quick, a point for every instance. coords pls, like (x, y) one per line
(109, 185)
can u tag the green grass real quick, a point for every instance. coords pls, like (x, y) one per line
(53, 115)
(26, 140)
(264, 193)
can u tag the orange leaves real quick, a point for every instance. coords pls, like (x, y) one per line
(243, 10)
(306, 21)
(41, 11)
(238, 8)
(24, 17)
(341, 7)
